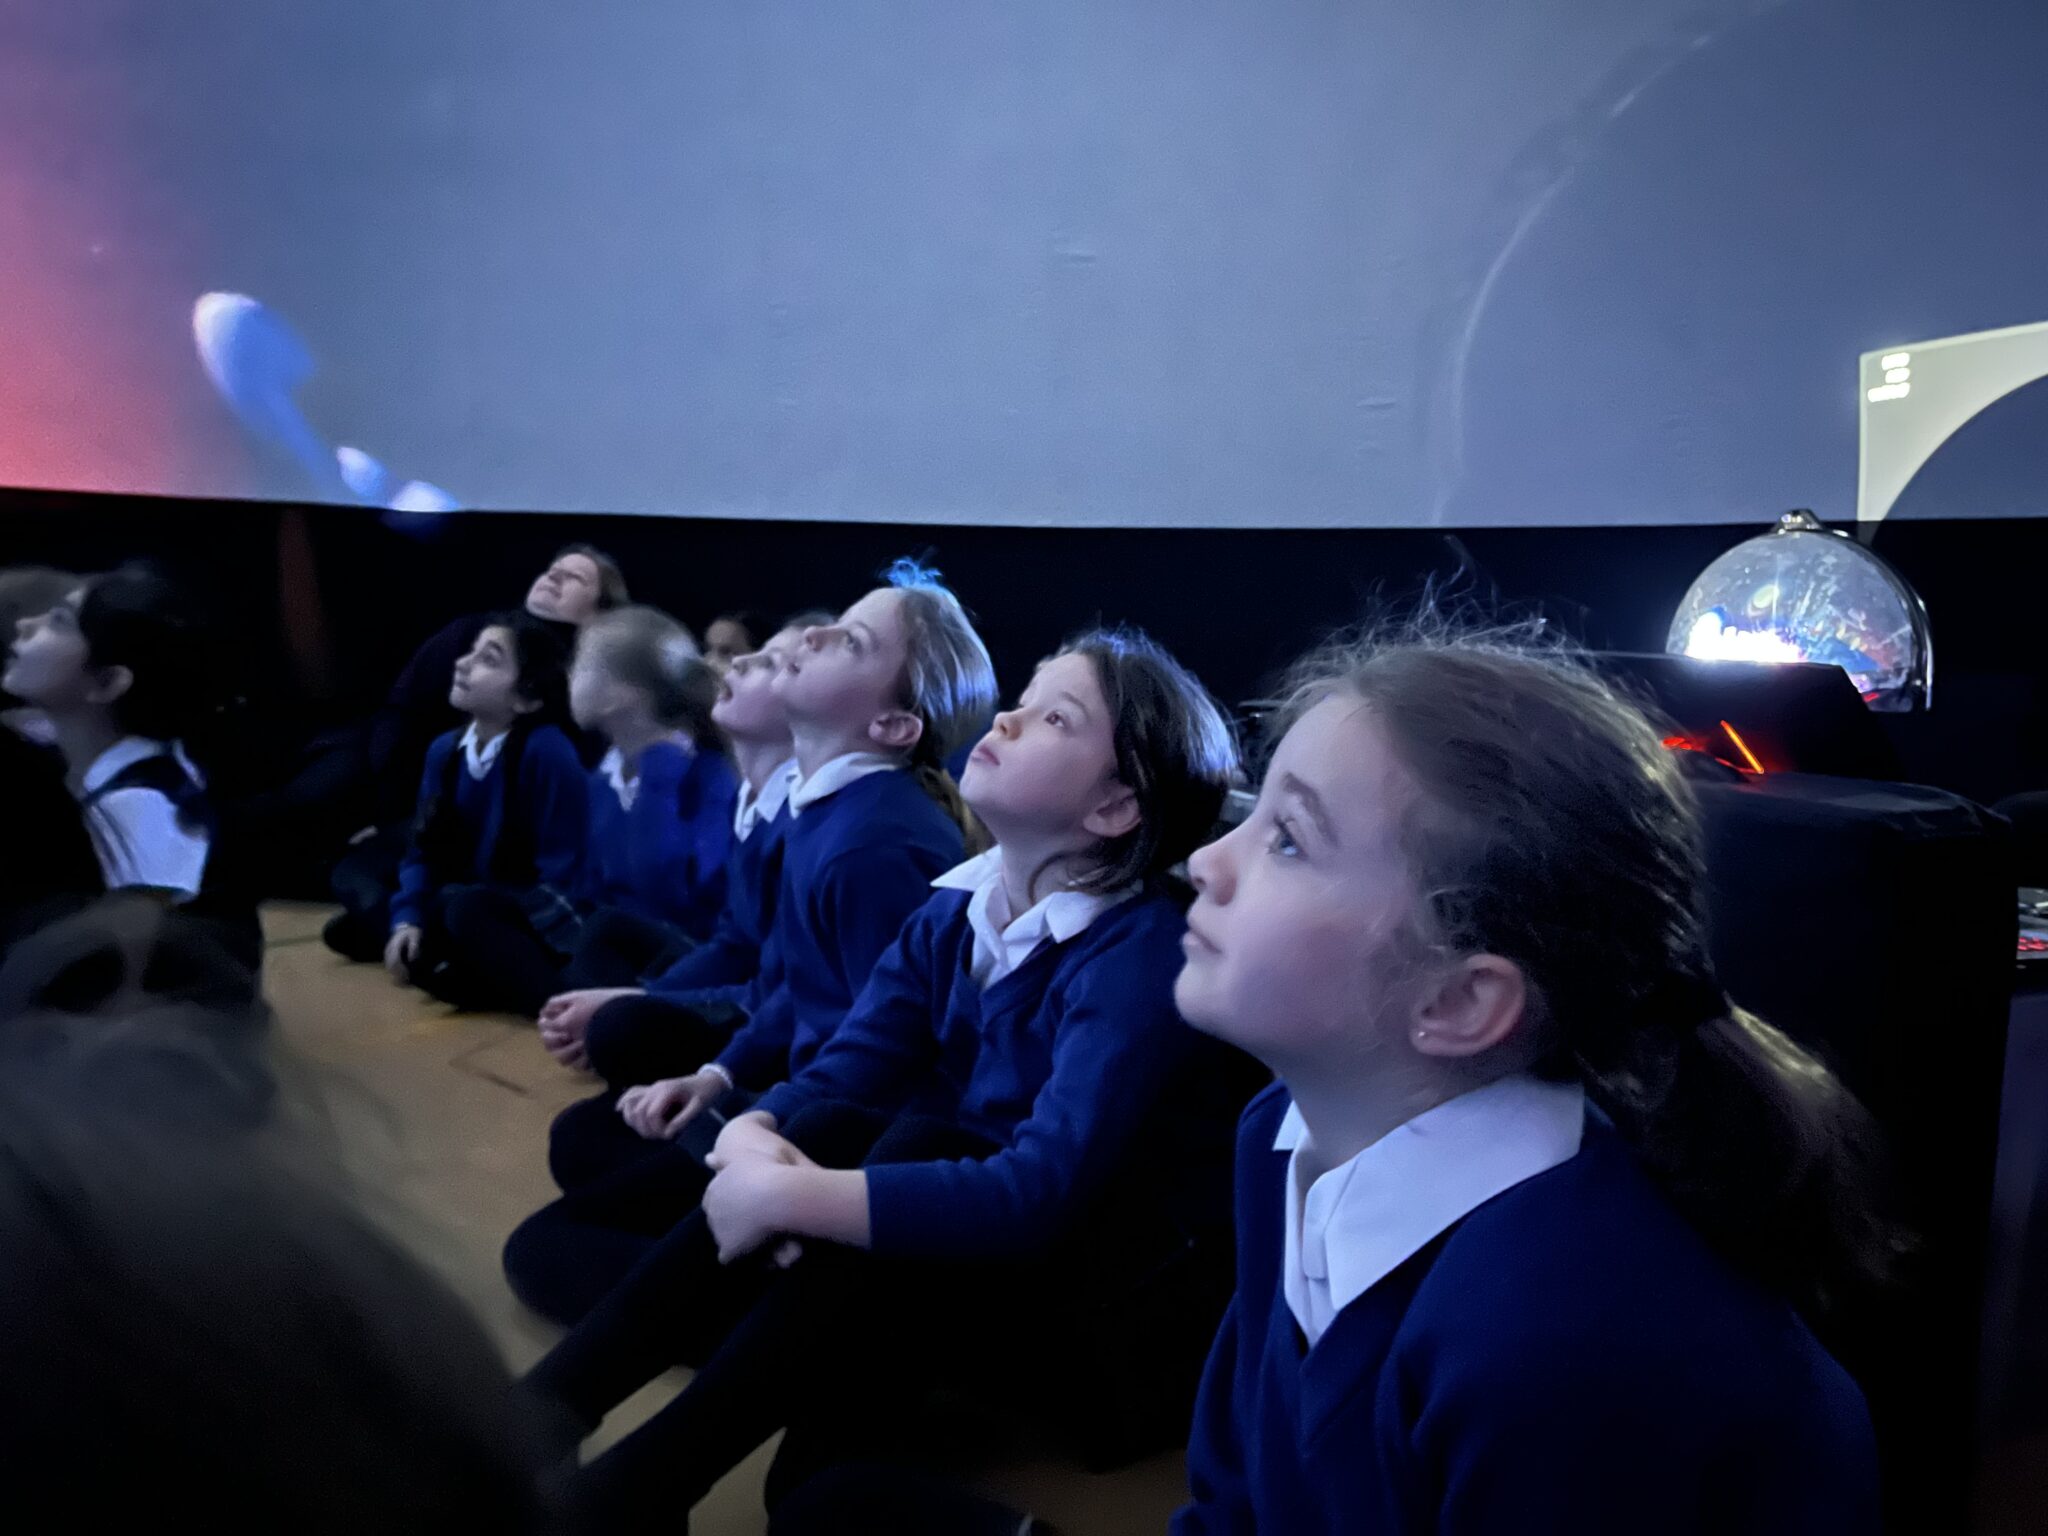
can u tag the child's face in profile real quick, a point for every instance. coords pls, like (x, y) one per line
(49, 664)
(487, 679)
(566, 591)
(846, 676)
(1049, 763)
(1293, 940)
(595, 695)
(747, 708)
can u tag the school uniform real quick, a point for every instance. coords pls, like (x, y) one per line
(517, 827)
(861, 845)
(689, 1007)
(1491, 1320)
(149, 818)
(660, 843)
(1040, 1033)
(654, 864)
(989, 1080)
(864, 843)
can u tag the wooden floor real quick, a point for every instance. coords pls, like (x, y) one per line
(442, 1120)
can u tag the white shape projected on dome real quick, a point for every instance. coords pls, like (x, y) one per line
(1803, 593)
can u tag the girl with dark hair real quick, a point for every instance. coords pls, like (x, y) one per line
(961, 1126)
(121, 669)
(660, 824)
(502, 803)
(1527, 1228)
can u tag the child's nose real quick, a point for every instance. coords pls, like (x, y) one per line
(1209, 867)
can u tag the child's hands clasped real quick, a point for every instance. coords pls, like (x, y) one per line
(565, 1021)
(753, 1135)
(659, 1111)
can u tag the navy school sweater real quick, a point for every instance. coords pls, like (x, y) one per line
(728, 965)
(1057, 1063)
(855, 865)
(552, 798)
(1570, 1359)
(666, 857)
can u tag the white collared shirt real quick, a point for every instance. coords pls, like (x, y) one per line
(1002, 942)
(1359, 1222)
(136, 832)
(477, 758)
(836, 775)
(750, 810)
(613, 767)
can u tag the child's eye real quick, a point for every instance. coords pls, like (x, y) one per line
(1055, 717)
(1283, 842)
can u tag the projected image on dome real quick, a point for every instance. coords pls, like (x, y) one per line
(1261, 263)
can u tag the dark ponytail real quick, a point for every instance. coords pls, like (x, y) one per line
(1549, 825)
(948, 683)
(1175, 753)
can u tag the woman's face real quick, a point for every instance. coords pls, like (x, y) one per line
(566, 591)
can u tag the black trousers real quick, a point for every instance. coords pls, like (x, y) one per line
(770, 1344)
(617, 948)
(644, 1039)
(497, 962)
(621, 1192)
(882, 1499)
(364, 879)
(491, 959)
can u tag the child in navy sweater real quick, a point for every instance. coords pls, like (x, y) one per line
(875, 701)
(967, 1118)
(117, 670)
(503, 803)
(1527, 1227)
(645, 1024)
(660, 824)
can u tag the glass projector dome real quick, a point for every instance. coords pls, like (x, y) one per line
(1804, 592)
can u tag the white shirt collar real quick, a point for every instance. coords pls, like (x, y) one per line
(613, 767)
(750, 810)
(836, 775)
(480, 759)
(127, 752)
(1001, 942)
(1359, 1222)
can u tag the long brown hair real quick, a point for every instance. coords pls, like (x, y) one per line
(1550, 826)
(948, 682)
(1175, 752)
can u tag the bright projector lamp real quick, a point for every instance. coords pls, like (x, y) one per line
(1803, 592)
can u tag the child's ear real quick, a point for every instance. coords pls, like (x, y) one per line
(522, 705)
(897, 731)
(109, 685)
(1477, 1005)
(1117, 816)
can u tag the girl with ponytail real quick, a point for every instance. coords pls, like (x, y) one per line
(1535, 1227)
(876, 702)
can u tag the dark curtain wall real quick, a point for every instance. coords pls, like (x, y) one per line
(326, 603)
